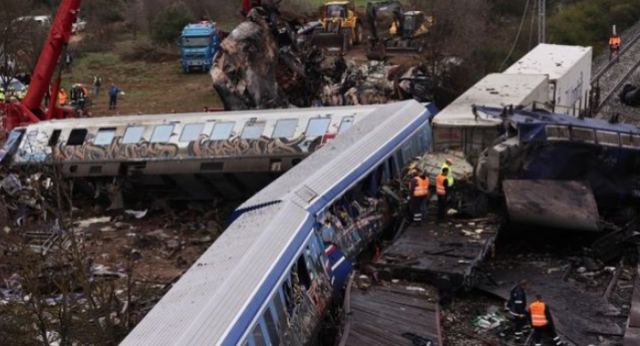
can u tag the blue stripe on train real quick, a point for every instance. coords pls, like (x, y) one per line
(244, 321)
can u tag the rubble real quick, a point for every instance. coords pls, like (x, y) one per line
(61, 259)
(294, 73)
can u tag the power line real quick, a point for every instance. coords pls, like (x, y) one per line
(515, 41)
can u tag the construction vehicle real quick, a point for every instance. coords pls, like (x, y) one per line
(199, 44)
(340, 28)
(30, 109)
(393, 30)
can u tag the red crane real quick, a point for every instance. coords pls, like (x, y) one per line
(30, 109)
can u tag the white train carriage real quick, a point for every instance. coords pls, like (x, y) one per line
(199, 155)
(267, 280)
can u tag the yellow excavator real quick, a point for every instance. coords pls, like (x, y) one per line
(394, 30)
(340, 28)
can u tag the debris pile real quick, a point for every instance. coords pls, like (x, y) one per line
(259, 69)
(84, 278)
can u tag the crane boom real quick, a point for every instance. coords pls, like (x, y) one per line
(30, 109)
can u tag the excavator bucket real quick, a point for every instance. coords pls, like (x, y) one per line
(331, 43)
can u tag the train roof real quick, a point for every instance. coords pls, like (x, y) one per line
(553, 60)
(238, 271)
(125, 120)
(537, 120)
(314, 173)
(497, 90)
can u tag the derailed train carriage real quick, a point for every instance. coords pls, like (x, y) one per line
(270, 277)
(208, 155)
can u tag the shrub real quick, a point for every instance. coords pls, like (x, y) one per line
(167, 25)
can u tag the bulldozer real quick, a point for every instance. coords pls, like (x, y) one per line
(393, 30)
(340, 28)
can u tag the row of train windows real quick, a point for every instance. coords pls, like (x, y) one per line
(592, 136)
(284, 305)
(284, 128)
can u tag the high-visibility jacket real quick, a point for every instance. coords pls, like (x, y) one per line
(421, 188)
(63, 98)
(615, 41)
(450, 174)
(440, 188)
(538, 314)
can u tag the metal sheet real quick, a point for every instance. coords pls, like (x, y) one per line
(552, 203)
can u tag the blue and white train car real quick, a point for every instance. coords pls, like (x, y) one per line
(269, 278)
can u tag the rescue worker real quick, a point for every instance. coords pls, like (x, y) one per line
(442, 186)
(542, 323)
(614, 45)
(448, 163)
(63, 97)
(2, 97)
(114, 91)
(23, 92)
(97, 83)
(517, 306)
(419, 188)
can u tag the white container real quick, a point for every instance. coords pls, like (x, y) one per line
(569, 72)
(457, 128)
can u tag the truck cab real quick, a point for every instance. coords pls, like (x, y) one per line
(199, 44)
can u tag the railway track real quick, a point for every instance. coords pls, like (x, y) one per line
(615, 73)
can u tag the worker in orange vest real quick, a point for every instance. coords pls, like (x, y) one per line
(541, 322)
(442, 187)
(614, 45)
(419, 188)
(63, 97)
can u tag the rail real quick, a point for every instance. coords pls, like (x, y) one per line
(595, 81)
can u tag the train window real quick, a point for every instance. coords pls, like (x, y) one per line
(105, 136)
(317, 127)
(583, 135)
(285, 128)
(346, 123)
(259, 335)
(253, 130)
(133, 134)
(222, 131)
(278, 304)
(557, 132)
(303, 273)
(191, 132)
(272, 327)
(162, 134)
(55, 136)
(608, 138)
(77, 136)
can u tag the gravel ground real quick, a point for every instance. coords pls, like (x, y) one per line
(610, 78)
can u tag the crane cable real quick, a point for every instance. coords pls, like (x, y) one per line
(515, 41)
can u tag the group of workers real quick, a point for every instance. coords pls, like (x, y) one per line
(76, 97)
(12, 94)
(537, 315)
(420, 193)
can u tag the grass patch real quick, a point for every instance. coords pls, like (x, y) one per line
(150, 87)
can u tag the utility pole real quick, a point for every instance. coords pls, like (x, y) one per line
(542, 21)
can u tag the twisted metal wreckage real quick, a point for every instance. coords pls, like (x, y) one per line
(257, 69)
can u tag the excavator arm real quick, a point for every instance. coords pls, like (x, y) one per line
(30, 110)
(376, 9)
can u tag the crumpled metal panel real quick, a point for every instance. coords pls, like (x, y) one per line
(552, 203)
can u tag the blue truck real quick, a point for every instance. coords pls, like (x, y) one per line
(199, 44)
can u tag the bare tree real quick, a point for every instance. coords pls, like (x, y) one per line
(12, 38)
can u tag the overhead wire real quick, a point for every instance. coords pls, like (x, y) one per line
(517, 38)
(533, 22)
